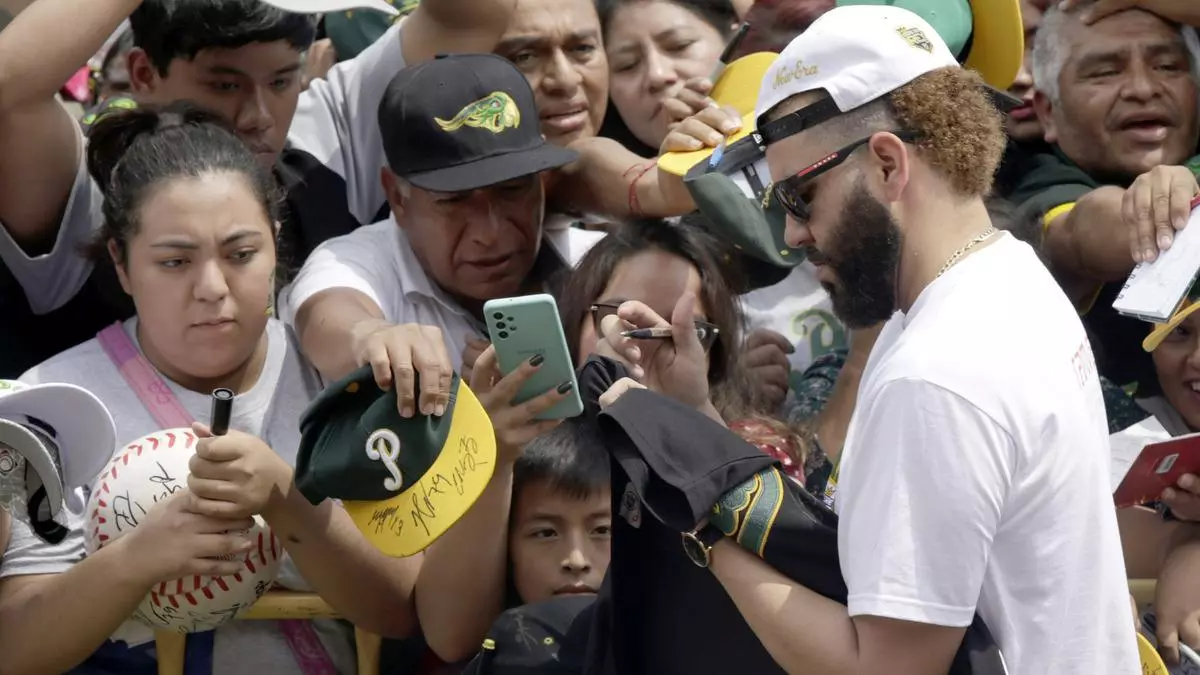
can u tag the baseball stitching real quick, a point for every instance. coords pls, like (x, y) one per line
(181, 587)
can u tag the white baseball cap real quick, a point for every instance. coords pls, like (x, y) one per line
(325, 6)
(64, 433)
(857, 54)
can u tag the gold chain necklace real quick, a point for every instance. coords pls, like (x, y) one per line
(984, 236)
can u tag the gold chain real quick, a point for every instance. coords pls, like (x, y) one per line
(984, 236)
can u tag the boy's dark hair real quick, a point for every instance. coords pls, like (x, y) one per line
(179, 29)
(570, 458)
(131, 152)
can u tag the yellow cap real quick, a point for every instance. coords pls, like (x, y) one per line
(736, 88)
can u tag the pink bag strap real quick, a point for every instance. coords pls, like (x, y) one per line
(169, 413)
(145, 381)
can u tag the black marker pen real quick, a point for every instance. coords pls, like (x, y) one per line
(222, 409)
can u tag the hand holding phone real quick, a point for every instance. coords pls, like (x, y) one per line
(526, 327)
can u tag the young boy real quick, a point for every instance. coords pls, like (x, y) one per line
(561, 518)
(240, 58)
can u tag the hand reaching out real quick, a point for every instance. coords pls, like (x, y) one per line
(675, 367)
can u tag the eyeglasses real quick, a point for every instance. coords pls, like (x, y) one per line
(789, 190)
(705, 332)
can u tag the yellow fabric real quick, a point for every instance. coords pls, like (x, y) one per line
(998, 41)
(737, 87)
(1060, 210)
(1162, 330)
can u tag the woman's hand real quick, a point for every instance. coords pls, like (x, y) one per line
(514, 423)
(674, 366)
(236, 475)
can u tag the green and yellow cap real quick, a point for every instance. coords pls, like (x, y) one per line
(1189, 304)
(404, 482)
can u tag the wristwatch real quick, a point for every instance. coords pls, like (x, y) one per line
(698, 544)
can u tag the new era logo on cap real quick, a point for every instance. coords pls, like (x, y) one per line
(857, 54)
(403, 482)
(464, 122)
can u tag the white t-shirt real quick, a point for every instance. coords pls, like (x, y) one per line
(800, 310)
(334, 134)
(270, 409)
(378, 261)
(976, 472)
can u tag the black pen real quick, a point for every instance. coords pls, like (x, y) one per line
(661, 333)
(222, 410)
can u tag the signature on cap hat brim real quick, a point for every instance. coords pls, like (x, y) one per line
(493, 170)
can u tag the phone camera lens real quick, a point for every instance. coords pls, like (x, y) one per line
(497, 316)
(500, 325)
(503, 335)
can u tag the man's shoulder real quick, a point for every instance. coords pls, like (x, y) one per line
(1049, 177)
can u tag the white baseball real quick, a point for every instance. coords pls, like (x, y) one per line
(142, 474)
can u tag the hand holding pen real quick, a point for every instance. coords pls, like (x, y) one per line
(675, 367)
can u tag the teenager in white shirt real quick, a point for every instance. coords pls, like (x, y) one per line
(189, 224)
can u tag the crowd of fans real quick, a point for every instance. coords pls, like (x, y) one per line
(262, 201)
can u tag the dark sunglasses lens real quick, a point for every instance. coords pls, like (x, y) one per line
(786, 193)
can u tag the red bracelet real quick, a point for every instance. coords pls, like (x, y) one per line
(635, 208)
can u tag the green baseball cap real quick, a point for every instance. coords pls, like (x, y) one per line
(352, 31)
(404, 482)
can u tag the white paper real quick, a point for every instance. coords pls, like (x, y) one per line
(1154, 290)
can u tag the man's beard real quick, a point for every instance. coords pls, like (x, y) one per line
(864, 256)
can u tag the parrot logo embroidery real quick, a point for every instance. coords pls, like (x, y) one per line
(494, 112)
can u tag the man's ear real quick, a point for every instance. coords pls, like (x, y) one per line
(1045, 114)
(892, 160)
(143, 76)
(397, 196)
(114, 254)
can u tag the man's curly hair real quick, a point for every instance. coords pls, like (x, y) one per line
(960, 133)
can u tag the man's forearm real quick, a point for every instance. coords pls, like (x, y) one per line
(330, 327)
(49, 41)
(454, 27)
(640, 190)
(371, 590)
(52, 623)
(809, 634)
(775, 606)
(461, 588)
(1092, 240)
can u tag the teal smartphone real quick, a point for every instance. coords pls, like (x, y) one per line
(526, 326)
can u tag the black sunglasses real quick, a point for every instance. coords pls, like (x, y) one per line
(789, 190)
(705, 332)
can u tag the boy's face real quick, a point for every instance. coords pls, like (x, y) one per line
(256, 87)
(558, 544)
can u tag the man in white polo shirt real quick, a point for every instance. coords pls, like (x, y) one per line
(975, 474)
(464, 181)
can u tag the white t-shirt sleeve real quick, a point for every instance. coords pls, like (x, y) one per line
(920, 504)
(356, 261)
(28, 554)
(337, 121)
(52, 279)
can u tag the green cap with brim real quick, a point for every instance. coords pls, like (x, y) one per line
(354, 30)
(404, 482)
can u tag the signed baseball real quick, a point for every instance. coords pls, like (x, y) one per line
(139, 476)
